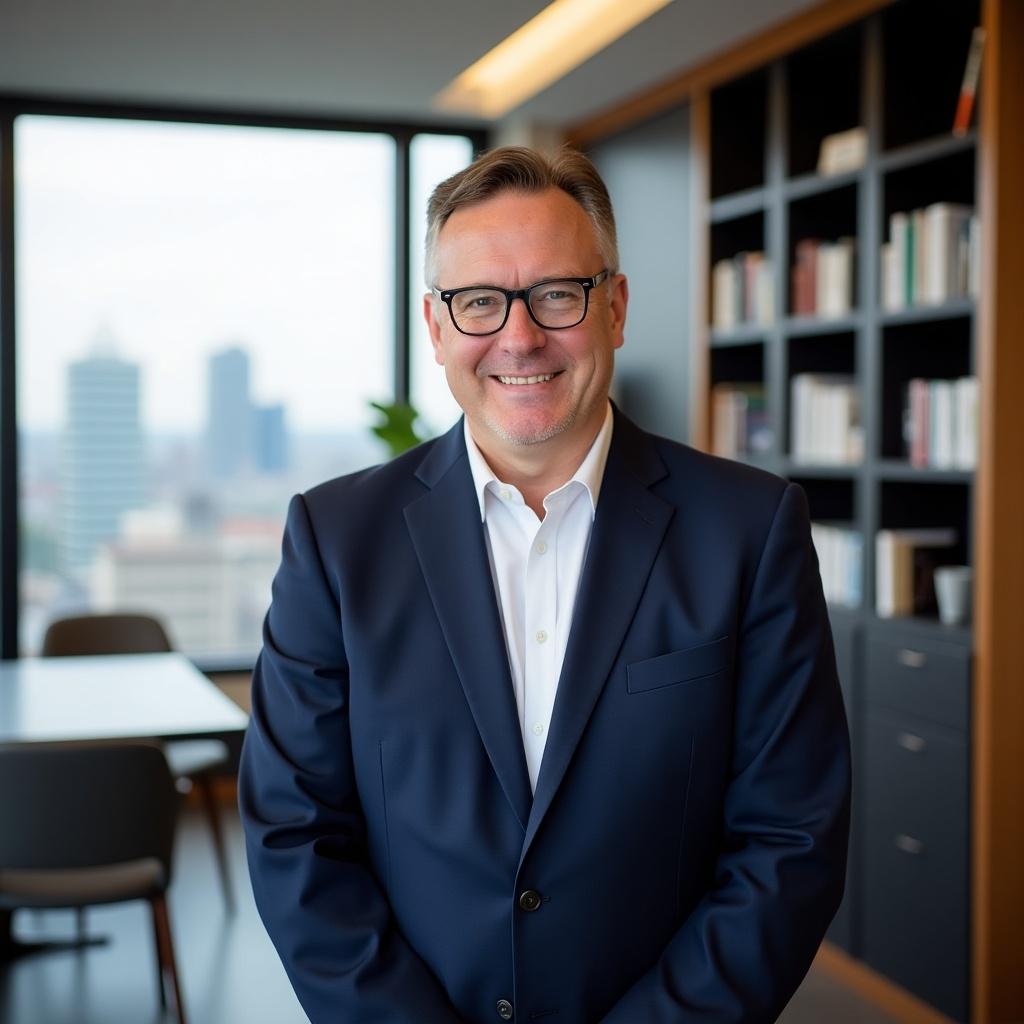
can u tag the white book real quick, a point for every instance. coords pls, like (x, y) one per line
(723, 295)
(765, 303)
(799, 400)
(940, 440)
(920, 249)
(942, 256)
(855, 585)
(885, 603)
(899, 240)
(965, 401)
(822, 263)
(834, 278)
(892, 278)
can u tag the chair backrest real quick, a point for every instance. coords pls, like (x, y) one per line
(105, 634)
(74, 806)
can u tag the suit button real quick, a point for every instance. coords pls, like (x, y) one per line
(504, 1009)
(529, 901)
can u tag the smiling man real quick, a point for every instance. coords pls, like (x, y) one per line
(546, 723)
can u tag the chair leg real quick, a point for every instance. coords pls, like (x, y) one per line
(204, 784)
(161, 981)
(165, 952)
(80, 923)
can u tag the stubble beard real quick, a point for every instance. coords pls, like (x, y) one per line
(536, 436)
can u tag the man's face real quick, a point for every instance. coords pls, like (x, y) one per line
(513, 241)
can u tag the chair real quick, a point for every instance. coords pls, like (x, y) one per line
(191, 761)
(90, 824)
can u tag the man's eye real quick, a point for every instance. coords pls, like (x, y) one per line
(482, 302)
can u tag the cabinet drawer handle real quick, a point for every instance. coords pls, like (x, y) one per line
(909, 741)
(908, 844)
(912, 659)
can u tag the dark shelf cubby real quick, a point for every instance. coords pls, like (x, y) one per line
(739, 131)
(936, 350)
(925, 45)
(824, 88)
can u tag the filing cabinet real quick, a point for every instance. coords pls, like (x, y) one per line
(914, 765)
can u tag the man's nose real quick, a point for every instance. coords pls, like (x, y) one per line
(521, 333)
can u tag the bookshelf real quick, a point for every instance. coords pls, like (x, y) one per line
(836, 352)
(930, 928)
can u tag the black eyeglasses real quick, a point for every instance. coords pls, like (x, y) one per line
(554, 305)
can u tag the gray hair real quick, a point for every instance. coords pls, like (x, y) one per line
(518, 169)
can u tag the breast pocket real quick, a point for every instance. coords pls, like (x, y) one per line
(679, 667)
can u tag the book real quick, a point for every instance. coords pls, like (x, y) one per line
(804, 277)
(905, 561)
(723, 292)
(825, 419)
(843, 151)
(965, 403)
(840, 554)
(969, 83)
(945, 254)
(742, 290)
(935, 252)
(739, 420)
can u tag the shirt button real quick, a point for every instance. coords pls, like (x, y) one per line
(529, 901)
(540, 636)
(541, 547)
(506, 494)
(504, 1009)
(538, 730)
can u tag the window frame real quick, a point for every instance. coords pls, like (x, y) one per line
(13, 106)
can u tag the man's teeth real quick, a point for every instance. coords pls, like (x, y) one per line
(539, 379)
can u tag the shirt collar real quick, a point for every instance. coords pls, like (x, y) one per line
(590, 472)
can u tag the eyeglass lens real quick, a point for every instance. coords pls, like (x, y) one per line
(553, 304)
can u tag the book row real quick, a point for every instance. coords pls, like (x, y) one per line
(932, 256)
(825, 422)
(742, 291)
(840, 559)
(740, 424)
(821, 279)
(905, 564)
(940, 423)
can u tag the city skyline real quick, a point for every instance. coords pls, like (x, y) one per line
(186, 238)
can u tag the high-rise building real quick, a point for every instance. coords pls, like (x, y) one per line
(270, 437)
(229, 422)
(102, 463)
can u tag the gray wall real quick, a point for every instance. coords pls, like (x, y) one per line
(647, 170)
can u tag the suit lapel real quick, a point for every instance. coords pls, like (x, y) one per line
(628, 529)
(449, 540)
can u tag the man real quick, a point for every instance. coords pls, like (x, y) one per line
(546, 723)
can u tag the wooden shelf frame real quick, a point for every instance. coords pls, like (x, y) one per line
(997, 488)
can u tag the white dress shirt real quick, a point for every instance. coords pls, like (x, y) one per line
(536, 566)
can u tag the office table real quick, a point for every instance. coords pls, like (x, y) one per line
(112, 697)
(109, 697)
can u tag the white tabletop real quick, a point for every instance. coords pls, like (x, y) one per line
(119, 696)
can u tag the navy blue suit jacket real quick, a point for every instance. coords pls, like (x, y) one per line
(688, 833)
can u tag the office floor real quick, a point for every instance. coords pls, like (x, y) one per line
(229, 971)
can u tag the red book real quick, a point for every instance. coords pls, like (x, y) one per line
(805, 277)
(969, 84)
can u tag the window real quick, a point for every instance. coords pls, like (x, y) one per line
(204, 312)
(432, 158)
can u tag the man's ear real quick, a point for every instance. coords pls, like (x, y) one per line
(431, 313)
(617, 307)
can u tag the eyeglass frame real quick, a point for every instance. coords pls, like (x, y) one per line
(588, 284)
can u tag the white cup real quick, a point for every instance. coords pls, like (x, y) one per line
(953, 593)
